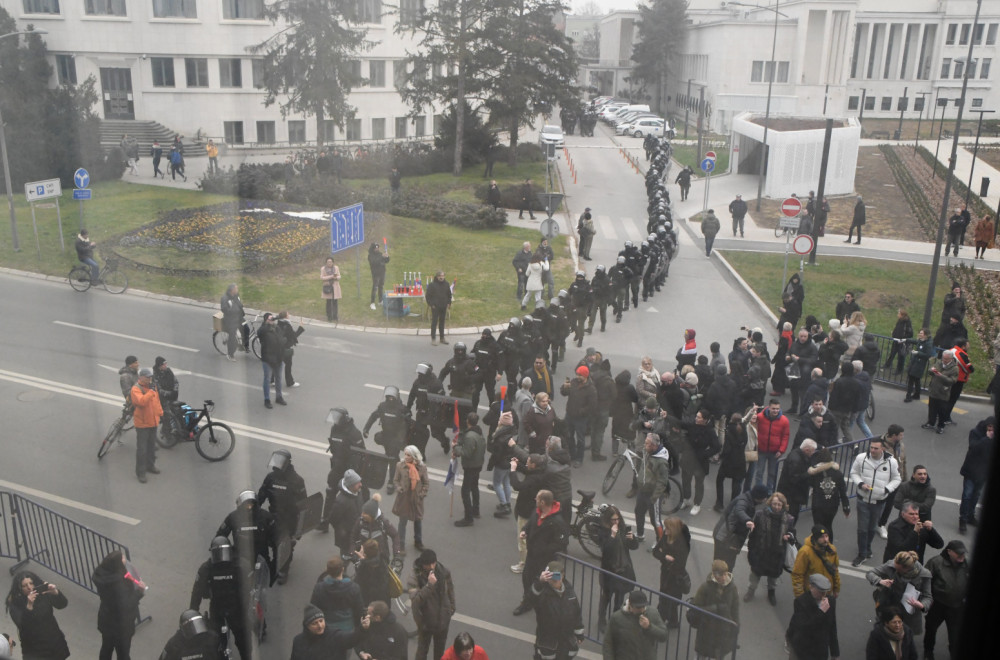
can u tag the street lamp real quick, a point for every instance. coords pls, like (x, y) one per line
(929, 303)
(975, 152)
(920, 118)
(3, 152)
(770, 84)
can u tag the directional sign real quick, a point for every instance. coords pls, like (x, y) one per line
(803, 244)
(791, 207)
(81, 178)
(549, 228)
(710, 154)
(37, 190)
(708, 165)
(347, 227)
(86, 193)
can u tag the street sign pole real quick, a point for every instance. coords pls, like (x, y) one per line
(62, 243)
(707, 165)
(34, 223)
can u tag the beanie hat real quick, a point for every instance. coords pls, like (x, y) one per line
(427, 557)
(638, 599)
(160, 361)
(651, 402)
(351, 479)
(311, 613)
(818, 531)
(582, 371)
(371, 508)
(691, 378)
(759, 492)
(689, 333)
(129, 359)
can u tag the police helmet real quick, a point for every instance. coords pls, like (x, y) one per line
(621, 260)
(339, 417)
(423, 369)
(563, 293)
(580, 274)
(390, 391)
(487, 333)
(539, 303)
(460, 349)
(651, 237)
(246, 496)
(514, 324)
(645, 245)
(280, 459)
(629, 244)
(221, 549)
(660, 229)
(527, 320)
(658, 194)
(192, 624)
(600, 268)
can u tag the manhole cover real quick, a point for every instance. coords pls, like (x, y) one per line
(34, 395)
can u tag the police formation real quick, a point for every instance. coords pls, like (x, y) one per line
(587, 119)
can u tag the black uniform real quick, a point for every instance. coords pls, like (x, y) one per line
(283, 490)
(394, 418)
(600, 284)
(428, 414)
(486, 354)
(635, 263)
(200, 647)
(462, 371)
(581, 297)
(228, 590)
(509, 344)
(620, 276)
(254, 534)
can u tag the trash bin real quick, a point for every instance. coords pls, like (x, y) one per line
(984, 187)
(895, 134)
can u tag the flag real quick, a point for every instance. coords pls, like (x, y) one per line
(449, 479)
(503, 395)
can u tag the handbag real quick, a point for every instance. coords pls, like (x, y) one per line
(791, 552)
(681, 580)
(750, 453)
(328, 288)
(693, 615)
(792, 371)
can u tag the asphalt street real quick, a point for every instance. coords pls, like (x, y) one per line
(59, 388)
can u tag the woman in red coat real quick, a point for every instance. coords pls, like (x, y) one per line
(465, 649)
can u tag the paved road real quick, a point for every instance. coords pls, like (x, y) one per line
(58, 383)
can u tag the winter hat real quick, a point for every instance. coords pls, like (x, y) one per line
(129, 359)
(691, 379)
(956, 546)
(651, 403)
(160, 361)
(818, 531)
(311, 613)
(145, 372)
(759, 492)
(555, 566)
(426, 558)
(351, 479)
(820, 581)
(371, 508)
(638, 599)
(689, 333)
(583, 371)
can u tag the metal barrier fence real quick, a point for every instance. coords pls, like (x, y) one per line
(843, 454)
(586, 581)
(888, 375)
(32, 532)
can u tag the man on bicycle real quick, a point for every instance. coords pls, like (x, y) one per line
(169, 388)
(85, 253)
(654, 479)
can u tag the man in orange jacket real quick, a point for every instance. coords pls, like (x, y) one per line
(147, 417)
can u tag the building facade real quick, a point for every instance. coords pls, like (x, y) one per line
(188, 65)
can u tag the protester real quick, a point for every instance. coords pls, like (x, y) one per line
(812, 632)
(717, 595)
(119, 610)
(32, 602)
(891, 639)
(633, 631)
(975, 470)
(672, 550)
(432, 598)
(465, 648)
(412, 485)
(949, 587)
(891, 581)
(773, 529)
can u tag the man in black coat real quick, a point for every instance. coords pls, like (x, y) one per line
(317, 641)
(545, 534)
(844, 399)
(738, 209)
(812, 632)
(858, 221)
(907, 532)
(272, 354)
(438, 297)
(795, 480)
(376, 263)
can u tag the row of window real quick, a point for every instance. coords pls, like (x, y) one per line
(903, 102)
(369, 11)
(964, 31)
(959, 68)
(234, 130)
(763, 71)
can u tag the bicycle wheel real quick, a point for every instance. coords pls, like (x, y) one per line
(870, 412)
(779, 230)
(670, 501)
(111, 439)
(167, 437)
(589, 535)
(219, 339)
(214, 441)
(255, 345)
(115, 281)
(79, 278)
(612, 476)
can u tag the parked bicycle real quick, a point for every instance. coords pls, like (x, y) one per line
(670, 501)
(213, 440)
(118, 427)
(780, 231)
(112, 279)
(586, 524)
(220, 338)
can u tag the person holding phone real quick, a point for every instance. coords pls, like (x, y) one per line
(32, 603)
(558, 615)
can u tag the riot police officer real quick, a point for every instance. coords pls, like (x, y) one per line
(486, 356)
(621, 278)
(394, 418)
(560, 327)
(600, 284)
(580, 296)
(221, 580)
(509, 344)
(428, 414)
(253, 532)
(635, 262)
(194, 641)
(461, 369)
(344, 436)
(532, 343)
(652, 252)
(283, 489)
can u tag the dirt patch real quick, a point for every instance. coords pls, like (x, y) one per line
(991, 156)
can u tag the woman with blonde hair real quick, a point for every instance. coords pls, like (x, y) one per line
(773, 527)
(647, 379)
(411, 484)
(891, 580)
(672, 550)
(854, 332)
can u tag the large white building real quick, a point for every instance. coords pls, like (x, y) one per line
(187, 65)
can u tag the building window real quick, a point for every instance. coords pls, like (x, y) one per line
(761, 71)
(378, 129)
(41, 6)
(355, 68)
(233, 131)
(977, 103)
(163, 71)
(296, 131)
(376, 73)
(949, 39)
(411, 12)
(104, 7)
(972, 68)
(918, 104)
(370, 11)
(66, 69)
(853, 102)
(945, 67)
(963, 39)
(329, 130)
(196, 69)
(869, 103)
(399, 73)
(991, 35)
(977, 34)
(175, 9)
(984, 70)
(420, 126)
(243, 9)
(438, 121)
(942, 103)
(353, 129)
(886, 103)
(257, 73)
(400, 127)
(958, 69)
(230, 72)
(958, 101)
(265, 132)
(902, 104)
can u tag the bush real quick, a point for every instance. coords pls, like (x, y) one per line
(107, 166)
(250, 181)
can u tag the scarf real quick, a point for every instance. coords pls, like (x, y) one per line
(895, 640)
(414, 475)
(651, 376)
(544, 375)
(787, 335)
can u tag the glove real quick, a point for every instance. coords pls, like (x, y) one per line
(365, 434)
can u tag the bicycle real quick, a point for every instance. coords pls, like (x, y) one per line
(112, 279)
(672, 498)
(213, 440)
(587, 523)
(220, 338)
(870, 410)
(780, 231)
(119, 426)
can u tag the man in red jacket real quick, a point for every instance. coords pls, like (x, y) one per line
(772, 441)
(965, 370)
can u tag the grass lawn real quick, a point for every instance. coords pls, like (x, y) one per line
(480, 260)
(688, 155)
(881, 289)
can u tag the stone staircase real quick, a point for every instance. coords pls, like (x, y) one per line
(145, 132)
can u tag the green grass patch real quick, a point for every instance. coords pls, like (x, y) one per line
(688, 155)
(881, 289)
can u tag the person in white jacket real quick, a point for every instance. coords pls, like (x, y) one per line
(875, 474)
(534, 279)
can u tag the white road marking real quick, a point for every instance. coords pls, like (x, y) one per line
(180, 372)
(513, 633)
(42, 495)
(607, 227)
(631, 231)
(124, 336)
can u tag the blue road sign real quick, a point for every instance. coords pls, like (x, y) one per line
(83, 194)
(82, 180)
(347, 227)
(708, 165)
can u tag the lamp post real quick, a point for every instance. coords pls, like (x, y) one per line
(3, 152)
(975, 152)
(864, 95)
(903, 103)
(929, 303)
(770, 85)
(920, 118)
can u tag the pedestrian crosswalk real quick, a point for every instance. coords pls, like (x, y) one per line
(619, 229)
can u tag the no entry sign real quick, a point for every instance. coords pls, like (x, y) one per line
(791, 207)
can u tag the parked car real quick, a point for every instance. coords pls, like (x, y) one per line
(646, 126)
(551, 135)
(631, 118)
(609, 109)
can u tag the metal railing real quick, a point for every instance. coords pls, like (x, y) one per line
(888, 375)
(32, 532)
(586, 581)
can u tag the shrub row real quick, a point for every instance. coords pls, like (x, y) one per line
(911, 190)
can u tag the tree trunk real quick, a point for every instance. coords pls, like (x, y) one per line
(512, 151)
(319, 129)
(460, 100)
